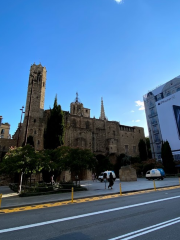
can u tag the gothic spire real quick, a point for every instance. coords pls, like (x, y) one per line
(102, 115)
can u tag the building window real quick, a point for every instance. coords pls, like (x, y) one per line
(34, 131)
(38, 142)
(139, 131)
(87, 125)
(34, 120)
(126, 149)
(74, 123)
(43, 84)
(2, 131)
(134, 149)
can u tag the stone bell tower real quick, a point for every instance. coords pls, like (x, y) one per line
(36, 91)
(33, 124)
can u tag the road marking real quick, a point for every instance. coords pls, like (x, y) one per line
(68, 202)
(84, 215)
(147, 229)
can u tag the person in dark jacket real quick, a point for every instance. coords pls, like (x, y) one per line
(111, 181)
(105, 178)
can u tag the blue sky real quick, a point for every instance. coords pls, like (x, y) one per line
(118, 50)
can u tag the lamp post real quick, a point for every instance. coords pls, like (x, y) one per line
(0, 133)
(29, 108)
(20, 125)
(1, 120)
(26, 131)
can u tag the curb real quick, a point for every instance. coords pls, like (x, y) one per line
(77, 198)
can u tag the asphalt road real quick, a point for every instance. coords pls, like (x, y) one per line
(145, 216)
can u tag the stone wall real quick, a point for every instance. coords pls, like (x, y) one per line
(127, 174)
(5, 144)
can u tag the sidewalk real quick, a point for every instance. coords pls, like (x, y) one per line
(96, 188)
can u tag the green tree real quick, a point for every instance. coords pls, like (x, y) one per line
(19, 159)
(103, 164)
(47, 161)
(54, 132)
(167, 157)
(142, 150)
(77, 159)
(126, 160)
(148, 147)
(22, 160)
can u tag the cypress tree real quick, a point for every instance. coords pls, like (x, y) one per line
(167, 157)
(54, 132)
(142, 150)
(149, 153)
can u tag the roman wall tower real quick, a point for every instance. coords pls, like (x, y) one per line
(33, 124)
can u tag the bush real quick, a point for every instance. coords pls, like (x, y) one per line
(147, 165)
(14, 187)
(43, 189)
(66, 185)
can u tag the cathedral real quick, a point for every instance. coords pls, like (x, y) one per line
(99, 135)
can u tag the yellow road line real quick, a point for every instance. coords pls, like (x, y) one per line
(57, 204)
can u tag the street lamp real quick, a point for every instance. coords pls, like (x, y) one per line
(29, 108)
(1, 120)
(20, 125)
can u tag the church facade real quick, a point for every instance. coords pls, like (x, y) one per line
(99, 135)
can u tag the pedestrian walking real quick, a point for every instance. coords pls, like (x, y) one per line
(52, 180)
(105, 178)
(111, 181)
(93, 176)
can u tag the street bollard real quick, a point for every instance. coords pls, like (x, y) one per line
(154, 185)
(0, 199)
(120, 189)
(72, 193)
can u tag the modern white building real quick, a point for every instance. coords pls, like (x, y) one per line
(162, 107)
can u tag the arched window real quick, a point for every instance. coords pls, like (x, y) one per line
(2, 131)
